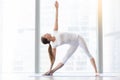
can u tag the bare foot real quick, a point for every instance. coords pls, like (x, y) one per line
(97, 74)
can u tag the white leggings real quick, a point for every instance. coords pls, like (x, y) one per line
(73, 48)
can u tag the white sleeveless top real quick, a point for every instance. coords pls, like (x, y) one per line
(64, 38)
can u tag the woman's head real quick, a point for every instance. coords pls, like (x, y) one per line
(46, 38)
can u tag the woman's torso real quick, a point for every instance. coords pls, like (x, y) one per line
(64, 38)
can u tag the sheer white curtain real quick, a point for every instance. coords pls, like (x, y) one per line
(111, 30)
(77, 16)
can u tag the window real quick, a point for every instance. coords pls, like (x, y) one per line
(18, 36)
(79, 16)
(111, 35)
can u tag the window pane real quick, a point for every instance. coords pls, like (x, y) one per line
(111, 30)
(1, 36)
(18, 36)
(79, 16)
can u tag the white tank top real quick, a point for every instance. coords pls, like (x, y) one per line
(64, 38)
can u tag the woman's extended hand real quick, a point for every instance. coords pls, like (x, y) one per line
(49, 73)
(56, 4)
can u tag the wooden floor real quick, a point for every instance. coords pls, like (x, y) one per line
(26, 76)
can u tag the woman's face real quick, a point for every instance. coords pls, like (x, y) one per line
(47, 36)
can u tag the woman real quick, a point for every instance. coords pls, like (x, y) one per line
(58, 39)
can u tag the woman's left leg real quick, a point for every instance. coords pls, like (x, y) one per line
(84, 46)
(69, 53)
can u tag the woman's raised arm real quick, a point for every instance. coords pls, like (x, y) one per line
(56, 16)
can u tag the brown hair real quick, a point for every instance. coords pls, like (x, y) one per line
(51, 56)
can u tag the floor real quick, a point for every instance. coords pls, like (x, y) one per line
(27, 76)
